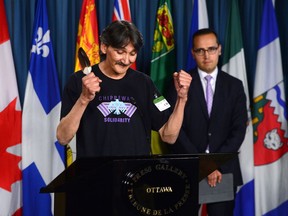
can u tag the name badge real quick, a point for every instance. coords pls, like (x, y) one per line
(161, 103)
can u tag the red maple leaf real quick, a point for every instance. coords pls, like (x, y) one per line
(10, 127)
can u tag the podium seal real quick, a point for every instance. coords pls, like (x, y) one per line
(157, 189)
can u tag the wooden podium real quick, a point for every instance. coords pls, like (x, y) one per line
(131, 186)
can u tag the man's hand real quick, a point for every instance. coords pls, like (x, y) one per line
(182, 81)
(90, 86)
(214, 178)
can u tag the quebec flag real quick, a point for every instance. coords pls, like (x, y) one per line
(42, 156)
(270, 122)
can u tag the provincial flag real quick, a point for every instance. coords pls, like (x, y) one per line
(163, 59)
(88, 39)
(270, 122)
(10, 127)
(199, 21)
(43, 157)
(87, 36)
(121, 11)
(234, 64)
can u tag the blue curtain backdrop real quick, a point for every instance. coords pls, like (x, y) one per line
(64, 17)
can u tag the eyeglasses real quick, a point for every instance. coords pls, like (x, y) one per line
(202, 51)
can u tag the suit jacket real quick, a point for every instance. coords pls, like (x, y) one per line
(226, 127)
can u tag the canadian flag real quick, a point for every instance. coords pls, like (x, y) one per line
(10, 127)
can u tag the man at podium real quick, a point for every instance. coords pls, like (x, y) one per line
(113, 108)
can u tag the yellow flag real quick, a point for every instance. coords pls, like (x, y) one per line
(88, 39)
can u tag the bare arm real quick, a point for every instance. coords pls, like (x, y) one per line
(170, 130)
(69, 124)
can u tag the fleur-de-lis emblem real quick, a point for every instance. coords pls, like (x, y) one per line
(41, 40)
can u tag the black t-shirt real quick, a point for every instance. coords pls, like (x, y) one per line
(119, 119)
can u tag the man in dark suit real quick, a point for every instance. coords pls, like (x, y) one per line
(217, 129)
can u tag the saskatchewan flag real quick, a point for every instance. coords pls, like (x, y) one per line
(163, 59)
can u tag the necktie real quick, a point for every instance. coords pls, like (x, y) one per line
(209, 99)
(209, 93)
